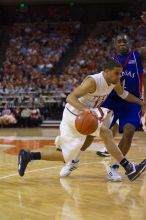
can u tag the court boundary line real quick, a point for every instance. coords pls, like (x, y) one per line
(38, 170)
(48, 168)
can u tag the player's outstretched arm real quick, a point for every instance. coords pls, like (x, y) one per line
(129, 97)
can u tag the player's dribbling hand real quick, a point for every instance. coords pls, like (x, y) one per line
(93, 111)
(97, 113)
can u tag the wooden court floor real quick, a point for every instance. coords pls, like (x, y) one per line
(85, 195)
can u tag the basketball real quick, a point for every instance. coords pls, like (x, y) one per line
(86, 123)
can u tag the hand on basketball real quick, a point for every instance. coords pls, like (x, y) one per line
(94, 112)
(91, 110)
(143, 16)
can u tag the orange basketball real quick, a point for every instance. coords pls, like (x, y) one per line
(86, 123)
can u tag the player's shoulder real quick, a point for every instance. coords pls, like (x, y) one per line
(95, 79)
(136, 52)
(97, 75)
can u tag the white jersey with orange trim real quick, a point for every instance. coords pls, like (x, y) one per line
(93, 100)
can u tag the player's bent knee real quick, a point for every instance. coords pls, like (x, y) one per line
(105, 132)
(128, 130)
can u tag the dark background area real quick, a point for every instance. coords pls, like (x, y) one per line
(86, 11)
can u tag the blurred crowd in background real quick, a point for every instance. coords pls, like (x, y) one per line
(30, 86)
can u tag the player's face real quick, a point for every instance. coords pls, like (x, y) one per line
(122, 44)
(114, 75)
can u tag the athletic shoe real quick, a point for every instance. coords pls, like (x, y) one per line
(69, 167)
(135, 170)
(103, 153)
(113, 174)
(143, 162)
(23, 160)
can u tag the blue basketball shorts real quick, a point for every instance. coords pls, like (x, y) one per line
(125, 112)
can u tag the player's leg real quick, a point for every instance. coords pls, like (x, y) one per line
(71, 151)
(107, 137)
(70, 141)
(129, 120)
(126, 140)
(133, 171)
(26, 156)
(88, 141)
(124, 145)
(104, 152)
(112, 170)
(74, 164)
(110, 122)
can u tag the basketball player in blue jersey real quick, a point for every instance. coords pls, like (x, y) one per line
(128, 114)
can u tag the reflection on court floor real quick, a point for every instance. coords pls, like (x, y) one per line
(86, 194)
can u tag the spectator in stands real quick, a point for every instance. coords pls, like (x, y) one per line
(35, 117)
(17, 115)
(6, 110)
(25, 115)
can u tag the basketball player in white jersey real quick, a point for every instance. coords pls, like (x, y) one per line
(87, 97)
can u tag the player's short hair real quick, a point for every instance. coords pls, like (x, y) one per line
(111, 63)
(121, 35)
